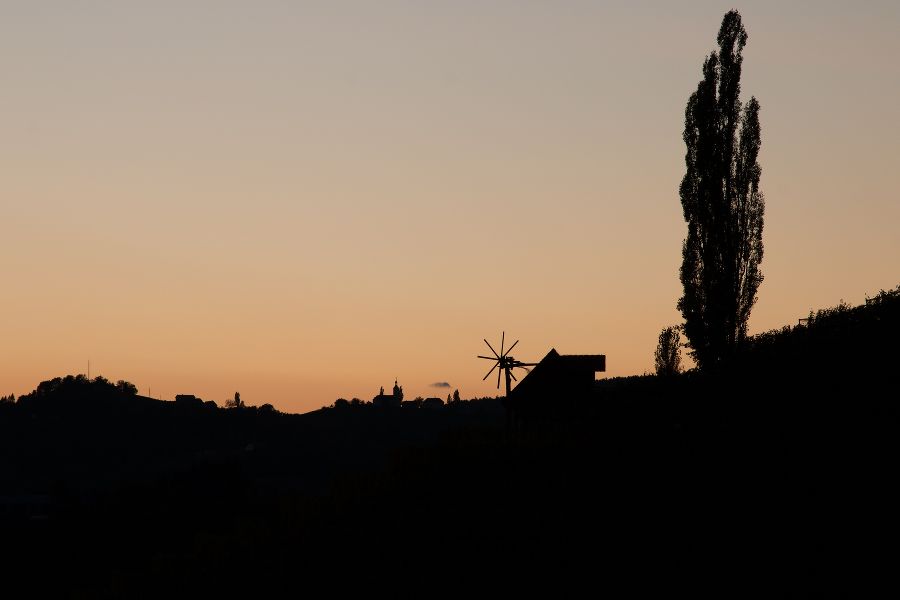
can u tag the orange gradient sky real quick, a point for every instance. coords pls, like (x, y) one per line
(301, 201)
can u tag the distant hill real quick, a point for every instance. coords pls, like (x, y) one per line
(86, 438)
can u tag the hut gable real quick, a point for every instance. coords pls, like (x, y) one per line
(557, 379)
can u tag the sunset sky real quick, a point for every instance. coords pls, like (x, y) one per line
(302, 201)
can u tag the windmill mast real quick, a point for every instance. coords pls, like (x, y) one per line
(505, 362)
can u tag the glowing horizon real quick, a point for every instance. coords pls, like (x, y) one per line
(305, 203)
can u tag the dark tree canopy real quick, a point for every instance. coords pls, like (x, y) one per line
(722, 203)
(236, 402)
(126, 387)
(668, 352)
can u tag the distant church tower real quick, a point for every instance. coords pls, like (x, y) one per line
(392, 400)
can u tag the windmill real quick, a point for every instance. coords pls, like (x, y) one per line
(506, 362)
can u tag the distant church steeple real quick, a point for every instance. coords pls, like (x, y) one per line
(392, 400)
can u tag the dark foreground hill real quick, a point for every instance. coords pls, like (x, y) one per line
(103, 487)
(775, 477)
(81, 440)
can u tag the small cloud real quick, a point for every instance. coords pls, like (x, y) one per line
(439, 384)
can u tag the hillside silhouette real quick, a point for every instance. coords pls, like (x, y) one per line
(689, 477)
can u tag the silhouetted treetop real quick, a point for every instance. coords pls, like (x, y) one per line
(236, 402)
(80, 384)
(126, 387)
(668, 352)
(77, 392)
(722, 204)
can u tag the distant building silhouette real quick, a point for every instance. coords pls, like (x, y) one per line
(188, 400)
(392, 400)
(432, 403)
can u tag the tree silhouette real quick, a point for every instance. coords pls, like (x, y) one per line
(668, 352)
(126, 387)
(236, 402)
(456, 395)
(722, 204)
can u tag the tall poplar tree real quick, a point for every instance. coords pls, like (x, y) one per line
(722, 204)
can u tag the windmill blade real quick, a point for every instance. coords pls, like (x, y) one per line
(488, 357)
(502, 339)
(508, 350)
(492, 348)
(498, 377)
(513, 376)
(489, 372)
